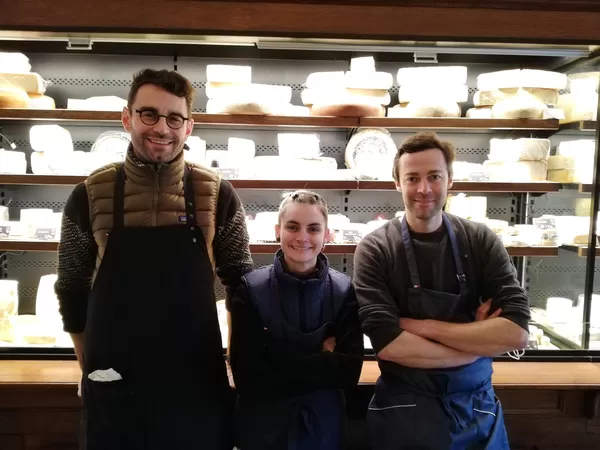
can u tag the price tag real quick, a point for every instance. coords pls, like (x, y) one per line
(545, 223)
(229, 173)
(353, 236)
(45, 234)
(4, 231)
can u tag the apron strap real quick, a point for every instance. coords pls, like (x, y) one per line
(190, 198)
(119, 199)
(410, 254)
(460, 273)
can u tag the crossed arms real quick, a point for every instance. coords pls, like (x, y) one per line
(432, 344)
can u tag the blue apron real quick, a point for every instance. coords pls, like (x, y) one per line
(313, 421)
(437, 409)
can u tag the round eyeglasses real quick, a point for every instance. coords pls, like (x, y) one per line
(151, 117)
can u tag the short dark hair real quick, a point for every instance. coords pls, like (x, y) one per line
(422, 141)
(168, 80)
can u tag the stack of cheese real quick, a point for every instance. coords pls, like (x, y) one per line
(471, 207)
(431, 92)
(582, 101)
(230, 91)
(360, 92)
(573, 162)
(517, 94)
(12, 162)
(518, 160)
(99, 103)
(19, 87)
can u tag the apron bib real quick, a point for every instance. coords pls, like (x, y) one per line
(152, 318)
(452, 409)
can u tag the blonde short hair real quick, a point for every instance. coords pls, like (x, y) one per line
(304, 197)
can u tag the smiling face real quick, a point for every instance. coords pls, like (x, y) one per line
(156, 143)
(303, 232)
(424, 182)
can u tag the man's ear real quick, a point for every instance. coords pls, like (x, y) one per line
(126, 119)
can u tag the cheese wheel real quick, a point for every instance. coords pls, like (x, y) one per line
(364, 64)
(325, 80)
(519, 107)
(256, 108)
(13, 98)
(397, 112)
(373, 80)
(222, 73)
(347, 110)
(428, 108)
(260, 93)
(484, 112)
(371, 151)
(447, 76)
(368, 96)
(490, 98)
(31, 83)
(37, 101)
(410, 93)
(524, 149)
(518, 78)
(516, 172)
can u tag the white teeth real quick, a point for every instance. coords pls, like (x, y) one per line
(157, 141)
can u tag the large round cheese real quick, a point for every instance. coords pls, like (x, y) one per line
(13, 98)
(521, 78)
(519, 107)
(32, 83)
(373, 80)
(232, 106)
(524, 149)
(259, 93)
(221, 73)
(490, 98)
(410, 93)
(516, 172)
(371, 151)
(433, 108)
(347, 110)
(432, 76)
(325, 80)
(342, 96)
(484, 112)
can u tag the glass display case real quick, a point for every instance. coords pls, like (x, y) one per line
(531, 180)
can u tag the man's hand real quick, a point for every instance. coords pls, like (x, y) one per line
(484, 310)
(329, 344)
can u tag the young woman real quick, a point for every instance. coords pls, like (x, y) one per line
(296, 341)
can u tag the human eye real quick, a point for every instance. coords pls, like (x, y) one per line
(291, 227)
(175, 120)
(149, 115)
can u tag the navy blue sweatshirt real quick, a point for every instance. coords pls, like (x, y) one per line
(279, 368)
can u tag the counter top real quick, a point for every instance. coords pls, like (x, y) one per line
(507, 375)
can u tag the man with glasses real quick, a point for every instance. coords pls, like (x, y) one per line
(141, 243)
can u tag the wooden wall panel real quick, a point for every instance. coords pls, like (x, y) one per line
(311, 20)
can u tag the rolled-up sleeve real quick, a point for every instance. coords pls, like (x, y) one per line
(378, 311)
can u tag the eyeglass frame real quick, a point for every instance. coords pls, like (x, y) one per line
(158, 116)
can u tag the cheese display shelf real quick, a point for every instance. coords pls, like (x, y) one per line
(260, 248)
(290, 121)
(461, 123)
(510, 173)
(459, 186)
(581, 125)
(581, 250)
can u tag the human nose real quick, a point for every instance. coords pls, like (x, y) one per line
(161, 126)
(424, 187)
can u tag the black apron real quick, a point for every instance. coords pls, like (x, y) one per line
(152, 318)
(440, 409)
(313, 421)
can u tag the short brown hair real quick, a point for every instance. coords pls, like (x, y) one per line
(304, 197)
(422, 141)
(168, 80)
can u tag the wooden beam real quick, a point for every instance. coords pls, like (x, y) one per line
(576, 22)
